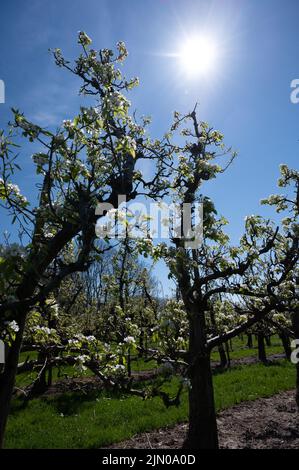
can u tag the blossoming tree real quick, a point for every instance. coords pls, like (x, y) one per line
(90, 159)
(256, 276)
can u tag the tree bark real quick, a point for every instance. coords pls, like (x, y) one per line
(227, 354)
(222, 354)
(286, 344)
(261, 348)
(249, 341)
(129, 368)
(40, 384)
(295, 323)
(7, 378)
(202, 433)
(268, 340)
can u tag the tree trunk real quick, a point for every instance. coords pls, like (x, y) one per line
(227, 354)
(261, 348)
(249, 341)
(202, 433)
(295, 323)
(50, 371)
(7, 378)
(268, 340)
(297, 385)
(286, 344)
(222, 354)
(146, 345)
(141, 339)
(50, 376)
(129, 368)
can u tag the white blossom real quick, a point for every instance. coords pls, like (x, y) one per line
(12, 325)
(129, 340)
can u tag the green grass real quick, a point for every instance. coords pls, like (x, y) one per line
(81, 421)
(241, 351)
(27, 354)
(140, 365)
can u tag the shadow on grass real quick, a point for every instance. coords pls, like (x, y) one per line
(69, 403)
(218, 370)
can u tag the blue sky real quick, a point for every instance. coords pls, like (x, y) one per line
(246, 95)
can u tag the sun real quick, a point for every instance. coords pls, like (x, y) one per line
(198, 55)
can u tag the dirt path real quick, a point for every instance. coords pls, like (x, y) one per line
(266, 423)
(249, 360)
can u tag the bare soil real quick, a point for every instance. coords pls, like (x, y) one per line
(266, 423)
(244, 361)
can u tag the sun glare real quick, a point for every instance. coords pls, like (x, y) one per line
(198, 55)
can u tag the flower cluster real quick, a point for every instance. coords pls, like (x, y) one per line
(8, 331)
(11, 193)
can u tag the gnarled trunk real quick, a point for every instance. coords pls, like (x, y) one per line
(202, 433)
(7, 378)
(295, 323)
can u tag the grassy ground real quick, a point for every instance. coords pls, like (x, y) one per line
(240, 350)
(92, 421)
